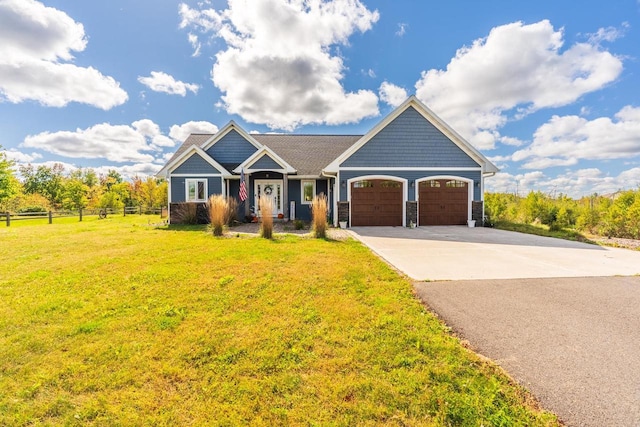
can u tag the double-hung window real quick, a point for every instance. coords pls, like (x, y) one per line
(308, 191)
(196, 190)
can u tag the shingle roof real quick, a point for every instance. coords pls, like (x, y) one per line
(308, 154)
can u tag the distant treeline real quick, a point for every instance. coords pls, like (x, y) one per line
(43, 188)
(613, 215)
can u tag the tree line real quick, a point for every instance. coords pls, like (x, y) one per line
(44, 188)
(612, 215)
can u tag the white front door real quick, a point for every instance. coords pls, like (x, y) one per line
(271, 190)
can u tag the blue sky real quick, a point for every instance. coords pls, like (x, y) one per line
(548, 90)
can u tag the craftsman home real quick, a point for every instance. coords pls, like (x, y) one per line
(411, 168)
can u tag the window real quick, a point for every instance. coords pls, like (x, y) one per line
(363, 184)
(196, 190)
(390, 184)
(432, 183)
(456, 184)
(308, 191)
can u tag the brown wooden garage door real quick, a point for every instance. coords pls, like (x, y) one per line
(376, 202)
(443, 202)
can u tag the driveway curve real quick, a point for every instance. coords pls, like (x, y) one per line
(462, 253)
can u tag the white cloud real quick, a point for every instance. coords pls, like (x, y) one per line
(33, 40)
(181, 132)
(278, 68)
(195, 44)
(163, 82)
(608, 34)
(118, 143)
(402, 29)
(562, 141)
(515, 70)
(392, 94)
(20, 157)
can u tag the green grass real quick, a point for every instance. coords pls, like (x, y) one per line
(115, 322)
(543, 230)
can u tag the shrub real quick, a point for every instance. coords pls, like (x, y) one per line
(232, 211)
(298, 224)
(319, 212)
(185, 213)
(218, 213)
(266, 226)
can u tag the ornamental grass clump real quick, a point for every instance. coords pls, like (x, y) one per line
(266, 226)
(218, 212)
(232, 211)
(319, 211)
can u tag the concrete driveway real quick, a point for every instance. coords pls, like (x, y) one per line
(462, 253)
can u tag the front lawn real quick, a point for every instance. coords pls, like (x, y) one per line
(117, 322)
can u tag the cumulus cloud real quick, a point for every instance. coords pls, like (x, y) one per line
(517, 69)
(574, 183)
(163, 82)
(34, 39)
(20, 157)
(392, 94)
(562, 141)
(181, 132)
(278, 67)
(142, 142)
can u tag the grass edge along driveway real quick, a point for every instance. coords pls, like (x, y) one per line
(118, 322)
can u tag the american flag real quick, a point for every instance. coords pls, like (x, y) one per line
(243, 187)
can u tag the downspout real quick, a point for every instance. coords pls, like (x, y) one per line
(336, 194)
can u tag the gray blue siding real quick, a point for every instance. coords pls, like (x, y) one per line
(295, 194)
(231, 149)
(178, 187)
(410, 141)
(195, 165)
(266, 162)
(412, 176)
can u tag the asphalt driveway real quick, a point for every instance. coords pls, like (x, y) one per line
(573, 342)
(462, 253)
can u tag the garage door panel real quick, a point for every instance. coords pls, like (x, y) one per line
(376, 202)
(443, 202)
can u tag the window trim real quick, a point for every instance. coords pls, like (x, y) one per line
(196, 181)
(302, 185)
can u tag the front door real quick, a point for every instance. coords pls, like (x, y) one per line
(270, 190)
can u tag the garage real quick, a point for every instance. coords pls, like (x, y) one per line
(443, 202)
(376, 202)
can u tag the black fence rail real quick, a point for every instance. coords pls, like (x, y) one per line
(8, 217)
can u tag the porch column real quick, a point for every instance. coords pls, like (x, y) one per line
(285, 195)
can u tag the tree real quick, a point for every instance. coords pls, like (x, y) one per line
(149, 193)
(74, 194)
(9, 184)
(47, 181)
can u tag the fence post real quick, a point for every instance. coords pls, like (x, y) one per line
(124, 210)
(140, 209)
(8, 218)
(80, 210)
(50, 217)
